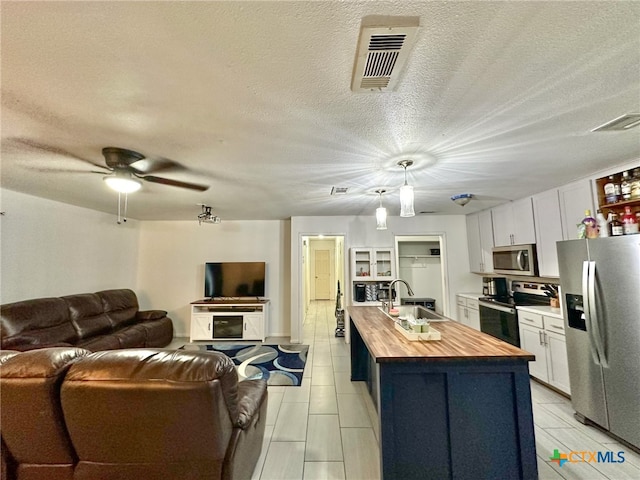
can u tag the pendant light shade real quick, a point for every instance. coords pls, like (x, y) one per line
(406, 201)
(381, 213)
(406, 193)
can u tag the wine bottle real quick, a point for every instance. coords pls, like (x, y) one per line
(625, 186)
(616, 226)
(612, 190)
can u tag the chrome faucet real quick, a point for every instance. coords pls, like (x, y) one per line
(390, 287)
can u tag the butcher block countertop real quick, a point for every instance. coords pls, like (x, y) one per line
(459, 342)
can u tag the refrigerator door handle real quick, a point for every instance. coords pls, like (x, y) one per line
(587, 311)
(593, 313)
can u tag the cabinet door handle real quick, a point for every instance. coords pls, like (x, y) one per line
(540, 333)
(209, 326)
(544, 335)
(557, 327)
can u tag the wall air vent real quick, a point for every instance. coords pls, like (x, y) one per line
(383, 49)
(625, 122)
(339, 190)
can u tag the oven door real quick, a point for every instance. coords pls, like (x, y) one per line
(500, 322)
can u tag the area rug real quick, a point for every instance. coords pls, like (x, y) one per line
(277, 364)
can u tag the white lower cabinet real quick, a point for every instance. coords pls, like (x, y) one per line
(544, 336)
(253, 325)
(468, 311)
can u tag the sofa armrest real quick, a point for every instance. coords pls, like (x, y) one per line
(251, 394)
(147, 315)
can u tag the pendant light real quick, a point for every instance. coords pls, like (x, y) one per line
(381, 213)
(406, 192)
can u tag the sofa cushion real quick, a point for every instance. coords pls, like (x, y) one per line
(33, 426)
(102, 342)
(43, 320)
(173, 417)
(158, 333)
(87, 314)
(120, 305)
(132, 336)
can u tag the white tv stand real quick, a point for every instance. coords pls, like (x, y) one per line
(228, 320)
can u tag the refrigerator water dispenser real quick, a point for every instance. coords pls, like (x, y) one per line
(575, 312)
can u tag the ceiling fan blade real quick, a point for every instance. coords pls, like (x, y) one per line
(175, 183)
(35, 145)
(152, 165)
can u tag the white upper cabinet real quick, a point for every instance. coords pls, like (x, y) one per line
(486, 240)
(575, 198)
(513, 223)
(546, 212)
(480, 241)
(473, 243)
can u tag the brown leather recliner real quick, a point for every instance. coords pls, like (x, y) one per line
(32, 425)
(137, 414)
(160, 414)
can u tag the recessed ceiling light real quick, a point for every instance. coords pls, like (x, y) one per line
(624, 122)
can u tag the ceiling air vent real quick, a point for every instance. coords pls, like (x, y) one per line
(339, 190)
(383, 49)
(625, 122)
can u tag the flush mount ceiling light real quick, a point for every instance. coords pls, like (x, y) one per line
(406, 192)
(122, 182)
(462, 198)
(381, 213)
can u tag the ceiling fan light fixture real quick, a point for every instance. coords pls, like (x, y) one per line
(406, 193)
(122, 182)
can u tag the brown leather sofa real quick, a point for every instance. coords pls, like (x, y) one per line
(105, 320)
(67, 413)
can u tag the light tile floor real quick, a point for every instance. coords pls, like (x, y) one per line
(326, 428)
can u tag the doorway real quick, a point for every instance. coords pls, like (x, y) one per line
(421, 261)
(322, 268)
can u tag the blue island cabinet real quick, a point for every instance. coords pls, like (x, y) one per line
(448, 416)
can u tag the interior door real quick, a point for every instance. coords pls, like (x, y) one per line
(322, 263)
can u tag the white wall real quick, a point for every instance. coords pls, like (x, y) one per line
(360, 231)
(173, 254)
(51, 249)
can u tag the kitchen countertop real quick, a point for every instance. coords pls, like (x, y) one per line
(459, 342)
(542, 310)
(473, 296)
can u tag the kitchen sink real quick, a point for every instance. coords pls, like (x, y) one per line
(417, 311)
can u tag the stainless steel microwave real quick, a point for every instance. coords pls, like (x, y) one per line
(515, 260)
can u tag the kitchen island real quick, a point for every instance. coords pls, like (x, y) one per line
(456, 408)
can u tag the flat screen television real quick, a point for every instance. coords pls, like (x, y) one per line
(234, 279)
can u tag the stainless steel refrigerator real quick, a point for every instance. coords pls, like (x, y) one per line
(600, 281)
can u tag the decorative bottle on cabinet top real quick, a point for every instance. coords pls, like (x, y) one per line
(590, 225)
(603, 225)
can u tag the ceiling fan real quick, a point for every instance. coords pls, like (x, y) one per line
(128, 168)
(124, 168)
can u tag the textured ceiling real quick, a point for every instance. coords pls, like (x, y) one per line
(497, 99)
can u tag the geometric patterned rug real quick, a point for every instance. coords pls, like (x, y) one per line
(278, 364)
